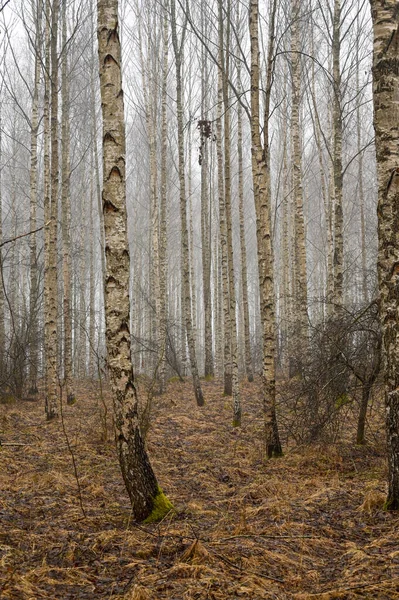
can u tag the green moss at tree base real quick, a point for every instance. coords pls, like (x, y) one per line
(162, 505)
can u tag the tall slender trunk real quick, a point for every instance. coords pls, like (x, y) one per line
(261, 166)
(324, 191)
(154, 208)
(13, 297)
(329, 217)
(243, 245)
(227, 364)
(186, 296)
(337, 160)
(286, 310)
(92, 289)
(301, 295)
(3, 363)
(147, 67)
(385, 18)
(66, 216)
(82, 333)
(193, 285)
(219, 309)
(148, 501)
(34, 291)
(163, 264)
(224, 40)
(96, 161)
(205, 128)
(51, 197)
(365, 293)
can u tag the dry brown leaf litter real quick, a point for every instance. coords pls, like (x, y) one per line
(309, 525)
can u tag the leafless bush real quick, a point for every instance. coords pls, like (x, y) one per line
(337, 374)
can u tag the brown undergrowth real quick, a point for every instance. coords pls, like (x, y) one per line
(307, 526)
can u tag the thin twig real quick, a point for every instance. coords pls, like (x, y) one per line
(270, 537)
(18, 237)
(361, 586)
(234, 566)
(220, 556)
(75, 469)
(4, 5)
(13, 444)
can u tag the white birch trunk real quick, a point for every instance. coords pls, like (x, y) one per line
(385, 16)
(148, 501)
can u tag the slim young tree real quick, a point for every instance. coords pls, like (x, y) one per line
(243, 245)
(3, 362)
(163, 267)
(206, 133)
(299, 223)
(34, 289)
(51, 196)
(66, 215)
(186, 296)
(224, 43)
(261, 178)
(227, 364)
(337, 159)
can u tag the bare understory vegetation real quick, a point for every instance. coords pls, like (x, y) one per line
(309, 525)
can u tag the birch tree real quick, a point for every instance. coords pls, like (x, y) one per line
(261, 178)
(51, 197)
(337, 159)
(224, 48)
(34, 288)
(66, 212)
(147, 499)
(243, 245)
(186, 294)
(299, 224)
(163, 206)
(385, 16)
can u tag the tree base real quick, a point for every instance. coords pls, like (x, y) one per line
(162, 506)
(50, 416)
(237, 422)
(71, 399)
(274, 452)
(199, 397)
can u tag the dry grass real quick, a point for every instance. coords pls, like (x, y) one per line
(307, 526)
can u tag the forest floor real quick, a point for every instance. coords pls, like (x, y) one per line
(309, 525)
